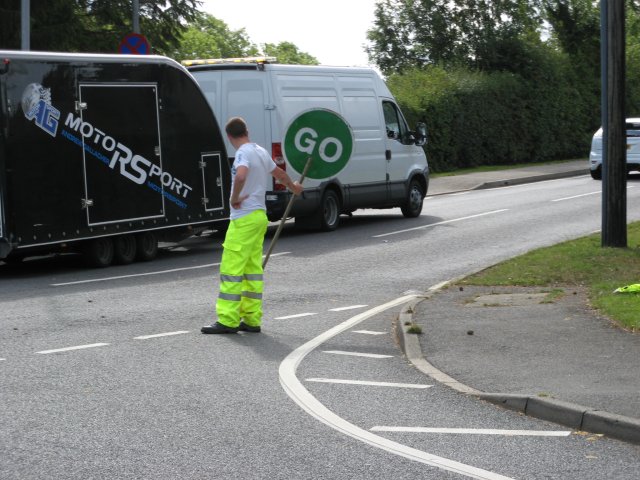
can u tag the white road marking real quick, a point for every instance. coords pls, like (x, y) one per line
(358, 354)
(577, 196)
(584, 195)
(298, 315)
(367, 383)
(156, 335)
(146, 274)
(77, 347)
(299, 394)
(476, 431)
(341, 309)
(369, 332)
(441, 223)
(2, 359)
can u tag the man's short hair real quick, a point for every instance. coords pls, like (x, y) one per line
(236, 127)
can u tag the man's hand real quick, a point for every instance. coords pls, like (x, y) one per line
(296, 188)
(236, 202)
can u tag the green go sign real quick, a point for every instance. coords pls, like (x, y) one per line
(323, 135)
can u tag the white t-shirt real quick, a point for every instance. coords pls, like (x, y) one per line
(260, 165)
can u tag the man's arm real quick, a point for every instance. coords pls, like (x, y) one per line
(284, 179)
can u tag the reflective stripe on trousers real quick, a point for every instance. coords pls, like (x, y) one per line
(241, 278)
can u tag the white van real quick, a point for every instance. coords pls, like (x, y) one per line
(387, 168)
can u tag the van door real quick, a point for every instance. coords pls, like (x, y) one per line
(120, 134)
(400, 152)
(245, 95)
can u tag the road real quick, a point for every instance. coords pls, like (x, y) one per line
(105, 374)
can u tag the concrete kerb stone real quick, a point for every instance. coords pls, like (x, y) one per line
(530, 179)
(569, 414)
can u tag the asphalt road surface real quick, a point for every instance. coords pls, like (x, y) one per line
(105, 373)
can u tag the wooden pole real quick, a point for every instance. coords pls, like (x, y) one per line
(285, 215)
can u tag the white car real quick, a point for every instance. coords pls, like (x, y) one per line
(633, 149)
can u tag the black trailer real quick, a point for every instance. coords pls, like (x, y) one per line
(105, 155)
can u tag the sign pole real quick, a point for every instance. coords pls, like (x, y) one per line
(285, 215)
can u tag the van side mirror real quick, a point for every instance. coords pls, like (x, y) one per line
(421, 134)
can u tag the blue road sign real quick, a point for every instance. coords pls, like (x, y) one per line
(136, 44)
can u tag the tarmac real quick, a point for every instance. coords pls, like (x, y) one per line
(543, 352)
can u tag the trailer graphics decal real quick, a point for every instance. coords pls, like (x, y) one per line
(134, 167)
(36, 104)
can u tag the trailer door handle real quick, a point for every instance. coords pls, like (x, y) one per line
(87, 202)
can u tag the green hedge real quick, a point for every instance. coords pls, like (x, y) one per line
(475, 118)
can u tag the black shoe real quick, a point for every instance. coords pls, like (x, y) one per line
(218, 328)
(248, 328)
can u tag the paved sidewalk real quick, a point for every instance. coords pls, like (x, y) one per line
(551, 358)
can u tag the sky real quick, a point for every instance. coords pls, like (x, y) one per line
(333, 31)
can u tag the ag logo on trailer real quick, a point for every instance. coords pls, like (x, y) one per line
(323, 135)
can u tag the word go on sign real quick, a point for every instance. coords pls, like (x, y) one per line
(323, 135)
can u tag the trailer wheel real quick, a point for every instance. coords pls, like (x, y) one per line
(146, 246)
(98, 252)
(414, 201)
(124, 249)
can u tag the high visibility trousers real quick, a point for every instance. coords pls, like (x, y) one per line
(241, 275)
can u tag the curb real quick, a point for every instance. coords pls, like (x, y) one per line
(575, 416)
(531, 179)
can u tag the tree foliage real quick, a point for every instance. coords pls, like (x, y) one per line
(287, 52)
(209, 37)
(475, 33)
(95, 25)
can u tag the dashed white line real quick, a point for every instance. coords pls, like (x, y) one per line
(298, 315)
(341, 309)
(441, 223)
(476, 431)
(146, 274)
(576, 196)
(358, 354)
(157, 335)
(77, 347)
(370, 384)
(369, 332)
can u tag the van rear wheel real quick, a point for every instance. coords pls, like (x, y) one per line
(415, 198)
(329, 213)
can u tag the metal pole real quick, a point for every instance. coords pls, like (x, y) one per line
(136, 16)
(25, 17)
(285, 215)
(614, 171)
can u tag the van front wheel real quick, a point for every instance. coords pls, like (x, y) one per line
(415, 197)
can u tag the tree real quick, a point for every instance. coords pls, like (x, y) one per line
(287, 52)
(95, 25)
(477, 33)
(209, 37)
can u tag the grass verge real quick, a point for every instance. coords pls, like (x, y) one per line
(581, 262)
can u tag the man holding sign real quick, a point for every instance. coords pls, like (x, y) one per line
(239, 303)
